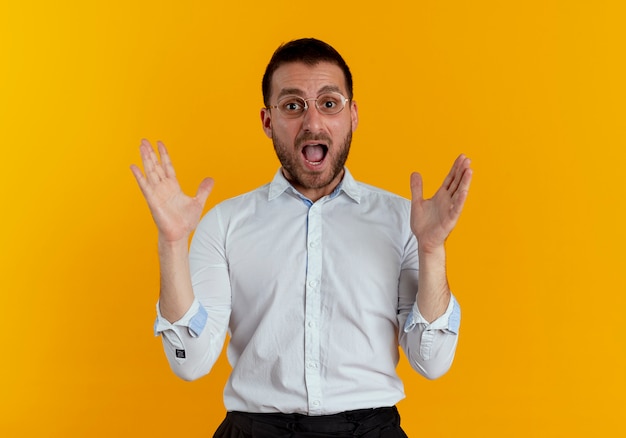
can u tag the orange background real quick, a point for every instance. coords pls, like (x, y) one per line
(532, 91)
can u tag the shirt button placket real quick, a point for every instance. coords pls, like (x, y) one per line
(312, 309)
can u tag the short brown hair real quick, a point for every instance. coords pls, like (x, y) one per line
(309, 51)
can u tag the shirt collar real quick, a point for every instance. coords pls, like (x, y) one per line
(348, 185)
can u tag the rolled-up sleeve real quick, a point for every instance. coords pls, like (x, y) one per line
(194, 320)
(449, 322)
(430, 347)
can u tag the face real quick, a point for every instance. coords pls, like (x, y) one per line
(313, 147)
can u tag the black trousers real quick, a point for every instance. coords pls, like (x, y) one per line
(364, 423)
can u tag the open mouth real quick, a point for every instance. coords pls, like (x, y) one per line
(314, 154)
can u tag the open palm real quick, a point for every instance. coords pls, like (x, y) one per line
(176, 215)
(432, 220)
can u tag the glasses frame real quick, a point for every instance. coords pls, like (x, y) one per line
(344, 101)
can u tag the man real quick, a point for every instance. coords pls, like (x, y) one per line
(315, 275)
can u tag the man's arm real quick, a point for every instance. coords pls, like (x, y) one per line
(176, 216)
(432, 221)
(191, 338)
(429, 324)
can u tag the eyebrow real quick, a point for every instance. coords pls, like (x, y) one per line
(299, 92)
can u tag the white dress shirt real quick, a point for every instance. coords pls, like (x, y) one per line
(316, 298)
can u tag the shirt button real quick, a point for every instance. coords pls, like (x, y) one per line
(313, 283)
(316, 403)
(311, 324)
(314, 244)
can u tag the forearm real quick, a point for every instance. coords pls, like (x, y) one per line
(176, 294)
(433, 294)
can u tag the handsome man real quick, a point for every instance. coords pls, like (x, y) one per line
(314, 275)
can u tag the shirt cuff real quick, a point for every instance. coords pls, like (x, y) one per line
(449, 321)
(194, 320)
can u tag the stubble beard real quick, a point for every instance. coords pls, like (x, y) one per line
(308, 179)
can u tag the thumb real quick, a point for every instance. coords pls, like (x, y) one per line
(204, 190)
(417, 189)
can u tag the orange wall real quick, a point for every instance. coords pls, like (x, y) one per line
(532, 91)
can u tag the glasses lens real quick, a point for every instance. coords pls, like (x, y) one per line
(291, 106)
(330, 103)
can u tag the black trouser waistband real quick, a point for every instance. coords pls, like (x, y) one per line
(349, 423)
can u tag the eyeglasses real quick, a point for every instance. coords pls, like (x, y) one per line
(327, 104)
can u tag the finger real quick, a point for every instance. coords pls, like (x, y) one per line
(417, 188)
(149, 164)
(152, 167)
(147, 148)
(447, 182)
(462, 192)
(147, 154)
(460, 165)
(466, 180)
(166, 162)
(141, 181)
(204, 190)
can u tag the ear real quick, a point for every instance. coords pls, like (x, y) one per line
(266, 120)
(354, 115)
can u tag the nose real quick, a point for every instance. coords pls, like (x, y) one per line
(312, 118)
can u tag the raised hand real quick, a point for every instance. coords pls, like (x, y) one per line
(176, 215)
(433, 219)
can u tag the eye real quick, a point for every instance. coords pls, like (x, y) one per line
(330, 103)
(291, 105)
